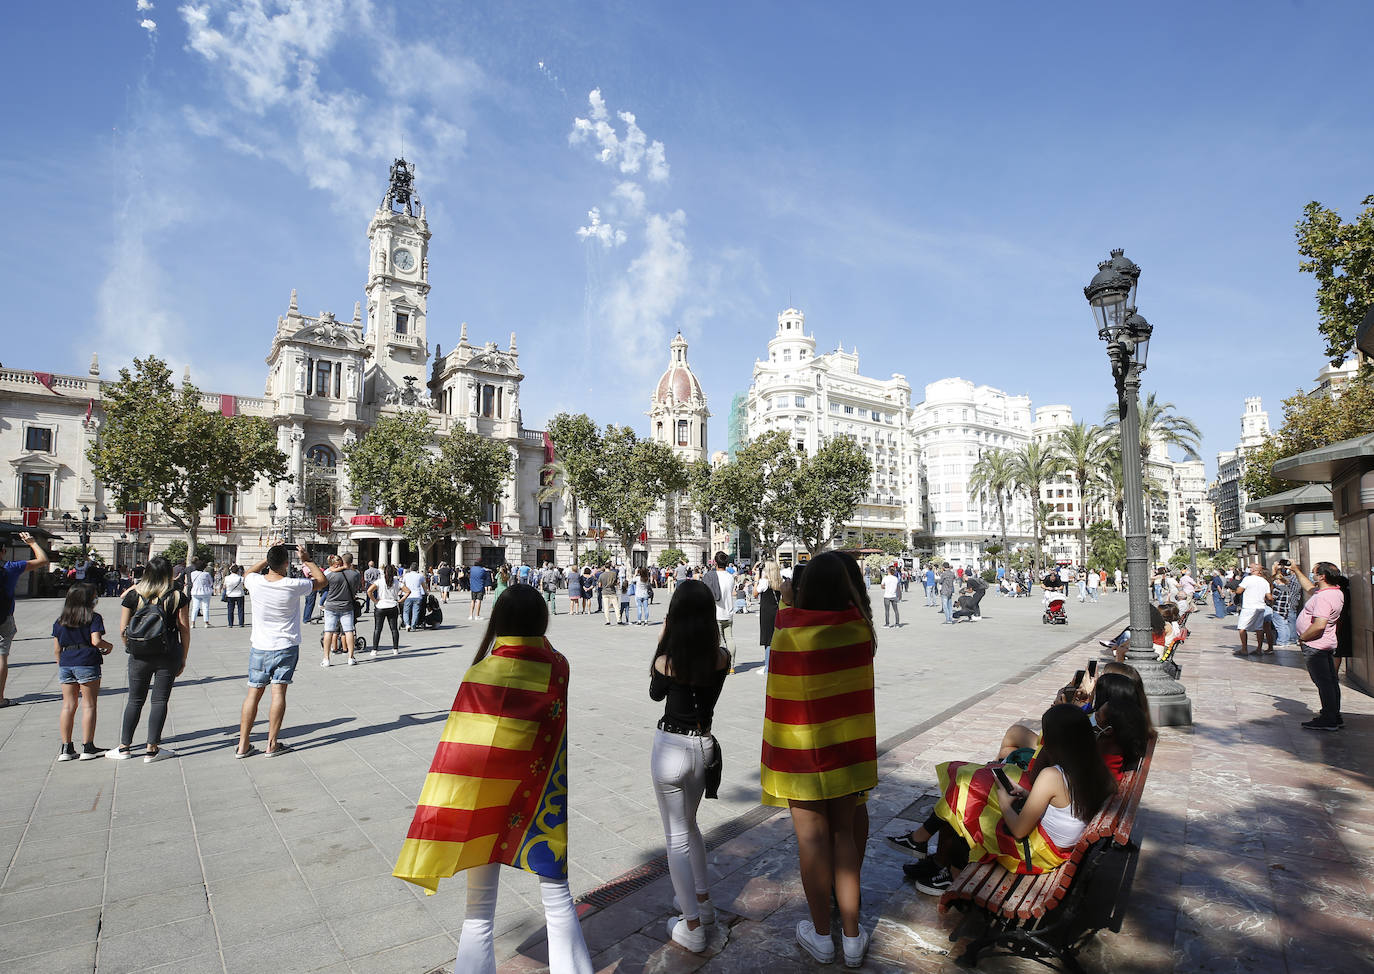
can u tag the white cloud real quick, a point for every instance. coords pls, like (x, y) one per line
(638, 306)
(148, 25)
(633, 195)
(286, 100)
(630, 152)
(609, 235)
(144, 5)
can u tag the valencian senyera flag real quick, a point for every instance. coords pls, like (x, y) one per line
(497, 790)
(969, 802)
(819, 735)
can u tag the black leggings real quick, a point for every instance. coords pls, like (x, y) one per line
(389, 616)
(951, 850)
(141, 674)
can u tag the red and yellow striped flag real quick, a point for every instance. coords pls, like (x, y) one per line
(819, 735)
(497, 790)
(969, 802)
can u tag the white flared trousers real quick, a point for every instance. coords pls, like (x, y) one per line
(476, 944)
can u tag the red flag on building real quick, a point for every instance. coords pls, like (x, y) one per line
(133, 521)
(224, 523)
(643, 537)
(228, 405)
(322, 523)
(495, 530)
(45, 380)
(30, 516)
(548, 447)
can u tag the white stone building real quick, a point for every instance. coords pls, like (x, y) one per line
(952, 427)
(327, 382)
(1227, 495)
(813, 397)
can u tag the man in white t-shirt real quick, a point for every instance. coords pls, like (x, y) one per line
(414, 609)
(722, 586)
(275, 639)
(1254, 592)
(891, 586)
(202, 587)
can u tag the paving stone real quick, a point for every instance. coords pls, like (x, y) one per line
(306, 948)
(160, 945)
(153, 909)
(64, 960)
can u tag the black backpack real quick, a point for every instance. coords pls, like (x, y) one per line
(149, 633)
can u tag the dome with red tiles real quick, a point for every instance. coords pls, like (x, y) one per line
(678, 384)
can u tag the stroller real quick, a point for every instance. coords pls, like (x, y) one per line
(1054, 612)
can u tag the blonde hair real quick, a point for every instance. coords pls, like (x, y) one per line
(156, 581)
(772, 574)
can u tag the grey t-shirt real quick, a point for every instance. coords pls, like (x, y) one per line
(337, 597)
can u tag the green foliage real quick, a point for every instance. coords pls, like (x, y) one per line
(70, 554)
(754, 492)
(885, 543)
(671, 557)
(597, 556)
(1106, 547)
(175, 552)
(874, 566)
(1032, 465)
(829, 486)
(1309, 422)
(576, 441)
(1083, 449)
(1180, 559)
(159, 445)
(994, 476)
(989, 575)
(628, 478)
(1341, 257)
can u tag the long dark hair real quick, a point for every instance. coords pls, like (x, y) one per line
(833, 583)
(1128, 723)
(389, 574)
(1138, 685)
(1070, 743)
(690, 637)
(79, 608)
(520, 611)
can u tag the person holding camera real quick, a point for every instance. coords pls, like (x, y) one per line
(275, 639)
(1287, 599)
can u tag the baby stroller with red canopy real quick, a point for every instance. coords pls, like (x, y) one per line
(1054, 612)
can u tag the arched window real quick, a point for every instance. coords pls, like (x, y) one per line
(322, 455)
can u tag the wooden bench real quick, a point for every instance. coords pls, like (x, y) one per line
(1051, 914)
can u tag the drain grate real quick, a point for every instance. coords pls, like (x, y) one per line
(641, 876)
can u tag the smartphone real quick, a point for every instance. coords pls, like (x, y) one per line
(1002, 778)
(1092, 668)
(1077, 678)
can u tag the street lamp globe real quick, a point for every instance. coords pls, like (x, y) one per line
(85, 513)
(1108, 293)
(1139, 331)
(1128, 269)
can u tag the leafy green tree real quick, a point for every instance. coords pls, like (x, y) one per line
(885, 543)
(556, 486)
(389, 466)
(994, 476)
(671, 557)
(1106, 547)
(630, 477)
(1083, 448)
(1160, 424)
(1032, 466)
(1341, 257)
(829, 485)
(158, 445)
(1180, 559)
(1309, 422)
(754, 492)
(576, 442)
(175, 552)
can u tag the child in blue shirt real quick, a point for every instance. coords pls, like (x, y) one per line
(79, 645)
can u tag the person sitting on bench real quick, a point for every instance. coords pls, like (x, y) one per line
(1030, 829)
(1158, 630)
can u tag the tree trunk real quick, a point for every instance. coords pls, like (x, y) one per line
(192, 533)
(576, 527)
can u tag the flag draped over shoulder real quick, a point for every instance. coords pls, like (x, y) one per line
(819, 735)
(969, 803)
(497, 790)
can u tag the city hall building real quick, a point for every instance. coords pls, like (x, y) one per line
(328, 380)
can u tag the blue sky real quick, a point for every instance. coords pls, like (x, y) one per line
(932, 183)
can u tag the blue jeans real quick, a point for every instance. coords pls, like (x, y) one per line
(1292, 626)
(411, 611)
(948, 603)
(641, 608)
(234, 604)
(309, 606)
(272, 666)
(1219, 605)
(1281, 630)
(930, 595)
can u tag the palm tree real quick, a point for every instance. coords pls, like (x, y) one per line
(1082, 448)
(1110, 480)
(1032, 466)
(555, 485)
(1159, 423)
(993, 476)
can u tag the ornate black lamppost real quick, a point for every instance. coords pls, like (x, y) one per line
(1192, 540)
(1112, 295)
(288, 522)
(84, 526)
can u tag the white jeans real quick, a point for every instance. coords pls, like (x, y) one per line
(678, 764)
(476, 947)
(200, 604)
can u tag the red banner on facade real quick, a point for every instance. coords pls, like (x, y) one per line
(228, 405)
(30, 516)
(546, 533)
(495, 530)
(224, 523)
(643, 537)
(376, 521)
(323, 523)
(470, 526)
(134, 521)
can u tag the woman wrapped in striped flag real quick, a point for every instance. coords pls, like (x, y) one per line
(1031, 828)
(820, 754)
(497, 790)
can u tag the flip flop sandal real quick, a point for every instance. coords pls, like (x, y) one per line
(240, 755)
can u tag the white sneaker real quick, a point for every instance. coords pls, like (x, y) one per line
(693, 940)
(116, 754)
(374, 654)
(855, 948)
(352, 661)
(821, 948)
(325, 662)
(162, 754)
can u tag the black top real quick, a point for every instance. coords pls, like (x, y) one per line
(691, 706)
(768, 610)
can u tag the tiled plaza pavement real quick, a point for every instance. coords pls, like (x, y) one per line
(1257, 844)
(208, 864)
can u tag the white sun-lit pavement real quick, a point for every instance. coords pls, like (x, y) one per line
(1258, 839)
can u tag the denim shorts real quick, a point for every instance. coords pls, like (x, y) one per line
(272, 666)
(78, 674)
(337, 621)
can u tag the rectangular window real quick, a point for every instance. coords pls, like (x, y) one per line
(224, 503)
(834, 407)
(875, 415)
(546, 515)
(787, 354)
(309, 376)
(338, 381)
(34, 489)
(322, 379)
(799, 401)
(849, 410)
(682, 432)
(38, 439)
(491, 512)
(402, 323)
(488, 403)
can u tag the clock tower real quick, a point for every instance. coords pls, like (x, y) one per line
(397, 289)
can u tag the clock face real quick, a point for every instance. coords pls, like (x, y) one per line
(403, 259)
